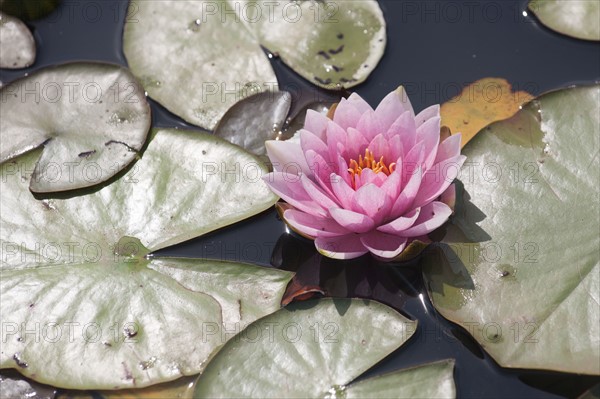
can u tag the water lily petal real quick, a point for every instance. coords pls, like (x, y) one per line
(310, 141)
(390, 107)
(391, 186)
(341, 247)
(386, 246)
(426, 114)
(402, 223)
(369, 125)
(342, 190)
(396, 149)
(287, 157)
(438, 179)
(342, 169)
(356, 143)
(313, 226)
(369, 177)
(353, 221)
(380, 147)
(405, 100)
(316, 123)
(359, 103)
(448, 197)
(320, 168)
(336, 136)
(408, 194)
(429, 134)
(448, 148)
(432, 216)
(413, 161)
(289, 188)
(346, 114)
(325, 200)
(404, 127)
(372, 201)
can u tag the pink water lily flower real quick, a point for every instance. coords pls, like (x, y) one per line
(368, 180)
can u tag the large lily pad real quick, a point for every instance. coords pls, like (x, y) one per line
(520, 268)
(91, 118)
(312, 349)
(576, 18)
(198, 58)
(106, 316)
(17, 45)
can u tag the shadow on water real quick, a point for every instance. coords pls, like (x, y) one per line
(464, 224)
(363, 277)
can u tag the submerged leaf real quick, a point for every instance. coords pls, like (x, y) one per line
(479, 104)
(311, 349)
(576, 18)
(17, 45)
(255, 119)
(91, 119)
(198, 58)
(106, 316)
(520, 269)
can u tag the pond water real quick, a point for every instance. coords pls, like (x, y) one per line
(434, 49)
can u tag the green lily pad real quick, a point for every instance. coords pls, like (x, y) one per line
(91, 119)
(17, 45)
(255, 119)
(520, 268)
(198, 58)
(315, 349)
(82, 305)
(28, 9)
(434, 380)
(576, 18)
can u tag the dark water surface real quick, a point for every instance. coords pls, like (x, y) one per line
(434, 49)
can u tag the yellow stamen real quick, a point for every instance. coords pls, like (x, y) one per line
(368, 162)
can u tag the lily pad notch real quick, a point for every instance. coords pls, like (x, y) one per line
(91, 118)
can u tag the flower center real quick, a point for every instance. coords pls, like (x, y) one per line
(368, 162)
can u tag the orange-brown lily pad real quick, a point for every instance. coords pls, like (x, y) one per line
(479, 104)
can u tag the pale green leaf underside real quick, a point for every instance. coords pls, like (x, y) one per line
(91, 119)
(17, 45)
(576, 18)
(59, 265)
(198, 58)
(308, 349)
(521, 271)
